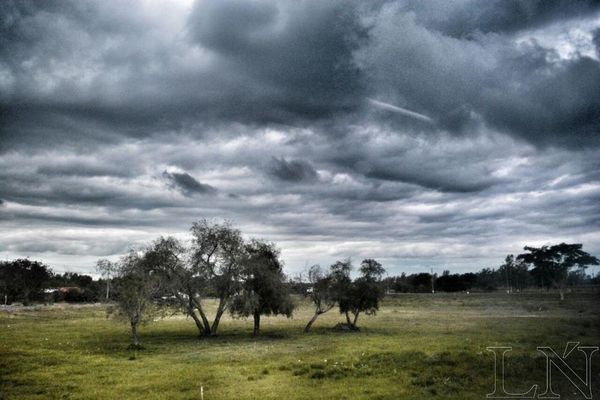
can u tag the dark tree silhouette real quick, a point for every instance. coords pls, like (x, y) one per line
(263, 289)
(553, 263)
(365, 292)
(341, 285)
(360, 295)
(23, 279)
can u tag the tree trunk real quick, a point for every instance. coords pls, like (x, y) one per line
(26, 298)
(218, 315)
(561, 289)
(198, 322)
(348, 319)
(207, 331)
(107, 289)
(355, 319)
(135, 341)
(312, 321)
(189, 306)
(256, 323)
(204, 325)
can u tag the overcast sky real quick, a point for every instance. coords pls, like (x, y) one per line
(440, 134)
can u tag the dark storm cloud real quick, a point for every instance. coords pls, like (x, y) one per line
(438, 129)
(293, 58)
(30, 189)
(261, 63)
(446, 182)
(522, 89)
(68, 219)
(187, 183)
(560, 106)
(291, 171)
(88, 72)
(463, 18)
(596, 40)
(84, 168)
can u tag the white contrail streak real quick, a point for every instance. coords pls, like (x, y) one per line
(399, 110)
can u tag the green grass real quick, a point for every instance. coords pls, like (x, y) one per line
(418, 346)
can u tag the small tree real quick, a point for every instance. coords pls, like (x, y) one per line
(106, 269)
(321, 293)
(264, 290)
(136, 286)
(365, 293)
(341, 286)
(553, 263)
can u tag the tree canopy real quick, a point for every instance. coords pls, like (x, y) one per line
(263, 288)
(551, 264)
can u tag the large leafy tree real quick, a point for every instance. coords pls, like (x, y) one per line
(263, 289)
(551, 264)
(210, 267)
(169, 259)
(23, 279)
(216, 255)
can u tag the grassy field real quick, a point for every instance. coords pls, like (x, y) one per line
(418, 346)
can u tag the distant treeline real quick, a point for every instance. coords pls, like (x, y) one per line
(487, 279)
(26, 281)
